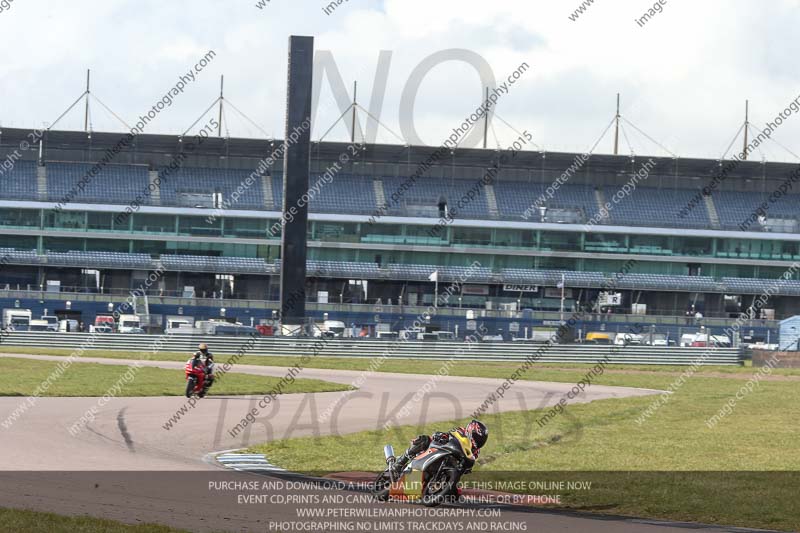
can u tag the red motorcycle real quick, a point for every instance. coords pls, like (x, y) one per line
(196, 382)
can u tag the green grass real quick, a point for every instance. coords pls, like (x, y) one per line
(23, 376)
(563, 372)
(629, 464)
(23, 521)
(761, 434)
(648, 470)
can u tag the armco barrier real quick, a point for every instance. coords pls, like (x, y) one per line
(292, 347)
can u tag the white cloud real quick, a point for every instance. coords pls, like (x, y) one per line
(684, 76)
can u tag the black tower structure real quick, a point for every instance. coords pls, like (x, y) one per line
(296, 169)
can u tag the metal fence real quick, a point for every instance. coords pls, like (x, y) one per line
(367, 348)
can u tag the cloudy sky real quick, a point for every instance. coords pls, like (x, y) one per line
(683, 76)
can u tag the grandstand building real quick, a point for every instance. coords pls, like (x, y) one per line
(82, 226)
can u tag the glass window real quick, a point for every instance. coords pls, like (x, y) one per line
(750, 249)
(601, 265)
(211, 248)
(733, 271)
(19, 242)
(274, 228)
(245, 227)
(556, 263)
(479, 236)
(150, 223)
(692, 246)
(60, 244)
(790, 250)
(561, 240)
(65, 219)
(103, 221)
(773, 273)
(605, 242)
(268, 253)
(19, 217)
(512, 237)
(336, 231)
(381, 229)
(207, 226)
(654, 244)
(107, 245)
(150, 247)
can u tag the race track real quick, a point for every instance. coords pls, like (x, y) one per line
(128, 434)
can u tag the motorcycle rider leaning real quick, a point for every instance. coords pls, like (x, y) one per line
(476, 431)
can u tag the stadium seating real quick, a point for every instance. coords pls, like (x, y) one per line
(193, 181)
(344, 193)
(515, 199)
(113, 184)
(648, 206)
(227, 265)
(422, 198)
(19, 182)
(341, 269)
(758, 286)
(100, 259)
(736, 209)
(355, 194)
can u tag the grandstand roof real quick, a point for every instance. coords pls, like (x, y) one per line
(150, 149)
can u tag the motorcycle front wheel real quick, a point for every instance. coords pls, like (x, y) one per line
(206, 386)
(442, 485)
(190, 384)
(380, 487)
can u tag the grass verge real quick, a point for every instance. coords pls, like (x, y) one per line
(562, 372)
(24, 521)
(24, 376)
(743, 472)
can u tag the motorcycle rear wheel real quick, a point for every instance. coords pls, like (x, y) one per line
(190, 384)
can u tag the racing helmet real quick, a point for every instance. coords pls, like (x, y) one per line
(203, 347)
(479, 432)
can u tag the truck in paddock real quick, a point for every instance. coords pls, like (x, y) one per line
(17, 319)
(104, 324)
(129, 324)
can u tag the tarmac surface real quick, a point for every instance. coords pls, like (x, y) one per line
(126, 465)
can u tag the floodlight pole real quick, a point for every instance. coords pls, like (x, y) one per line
(486, 120)
(616, 128)
(221, 99)
(86, 111)
(746, 126)
(353, 122)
